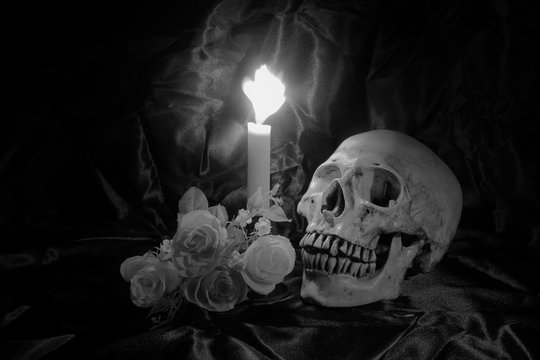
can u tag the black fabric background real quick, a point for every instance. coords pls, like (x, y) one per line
(111, 111)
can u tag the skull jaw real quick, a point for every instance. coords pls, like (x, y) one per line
(345, 290)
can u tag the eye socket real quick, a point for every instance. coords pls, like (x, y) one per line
(383, 186)
(328, 172)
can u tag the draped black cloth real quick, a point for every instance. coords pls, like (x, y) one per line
(112, 111)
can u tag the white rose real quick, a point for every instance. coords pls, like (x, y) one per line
(219, 290)
(266, 262)
(149, 278)
(197, 245)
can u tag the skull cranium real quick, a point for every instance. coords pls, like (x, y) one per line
(381, 203)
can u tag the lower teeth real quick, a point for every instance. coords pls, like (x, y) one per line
(336, 265)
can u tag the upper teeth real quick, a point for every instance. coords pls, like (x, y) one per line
(336, 245)
(333, 254)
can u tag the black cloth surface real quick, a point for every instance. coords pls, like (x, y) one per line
(112, 111)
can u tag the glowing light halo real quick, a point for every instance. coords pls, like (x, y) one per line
(266, 93)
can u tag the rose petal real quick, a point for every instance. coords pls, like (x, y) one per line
(197, 218)
(134, 264)
(191, 289)
(259, 287)
(172, 276)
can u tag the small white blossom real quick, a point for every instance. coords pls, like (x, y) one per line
(263, 226)
(165, 249)
(236, 261)
(243, 218)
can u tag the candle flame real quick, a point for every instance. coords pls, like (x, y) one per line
(266, 93)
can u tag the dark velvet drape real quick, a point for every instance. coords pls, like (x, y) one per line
(112, 110)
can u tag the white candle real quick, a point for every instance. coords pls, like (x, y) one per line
(258, 158)
(266, 93)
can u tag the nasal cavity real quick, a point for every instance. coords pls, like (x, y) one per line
(333, 199)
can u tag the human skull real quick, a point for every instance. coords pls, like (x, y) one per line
(380, 204)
